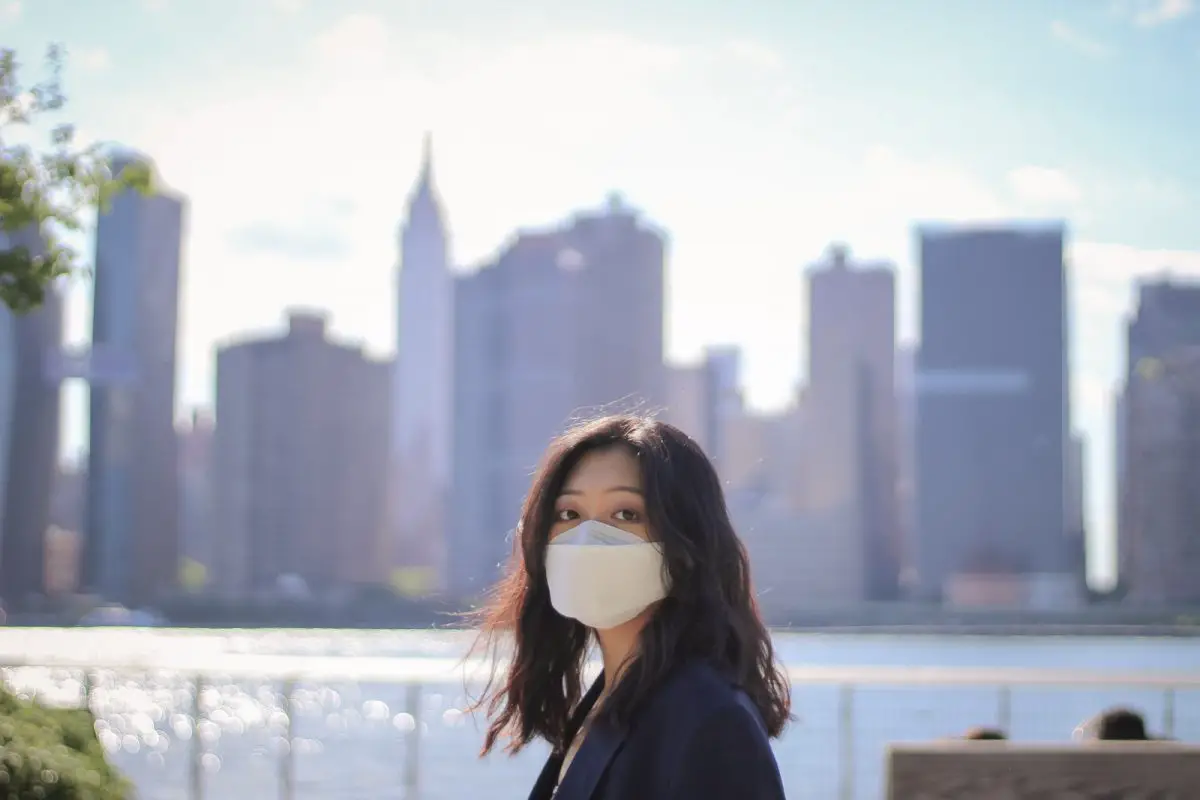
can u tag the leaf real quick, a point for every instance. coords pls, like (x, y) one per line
(48, 192)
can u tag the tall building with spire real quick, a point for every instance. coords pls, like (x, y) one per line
(422, 389)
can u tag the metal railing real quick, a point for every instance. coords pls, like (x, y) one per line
(414, 673)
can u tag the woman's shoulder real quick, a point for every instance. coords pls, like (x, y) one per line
(707, 739)
(700, 695)
(702, 680)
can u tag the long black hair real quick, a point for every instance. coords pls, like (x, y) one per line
(710, 613)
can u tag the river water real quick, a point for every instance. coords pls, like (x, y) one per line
(352, 740)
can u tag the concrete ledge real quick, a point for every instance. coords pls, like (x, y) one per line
(974, 770)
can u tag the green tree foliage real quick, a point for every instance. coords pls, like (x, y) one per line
(47, 188)
(53, 754)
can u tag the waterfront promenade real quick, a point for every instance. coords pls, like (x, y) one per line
(382, 714)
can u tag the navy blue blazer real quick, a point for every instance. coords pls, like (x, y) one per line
(698, 737)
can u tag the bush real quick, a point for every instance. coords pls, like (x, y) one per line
(53, 754)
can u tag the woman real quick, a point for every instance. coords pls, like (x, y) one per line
(624, 539)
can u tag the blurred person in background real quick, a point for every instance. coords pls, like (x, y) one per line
(1114, 725)
(983, 734)
(625, 542)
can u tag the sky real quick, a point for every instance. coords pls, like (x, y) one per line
(755, 134)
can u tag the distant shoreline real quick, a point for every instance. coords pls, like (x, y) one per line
(1029, 630)
(389, 612)
(1009, 630)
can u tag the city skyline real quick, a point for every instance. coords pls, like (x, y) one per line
(1098, 144)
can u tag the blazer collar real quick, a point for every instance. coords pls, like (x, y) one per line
(590, 761)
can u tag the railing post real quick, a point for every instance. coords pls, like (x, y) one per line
(196, 767)
(412, 745)
(1169, 712)
(88, 687)
(287, 760)
(1004, 710)
(846, 741)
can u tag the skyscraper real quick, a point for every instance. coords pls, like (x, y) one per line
(29, 435)
(423, 387)
(196, 496)
(992, 406)
(688, 400)
(131, 550)
(1167, 319)
(851, 405)
(1165, 331)
(704, 400)
(1075, 501)
(8, 390)
(723, 384)
(906, 469)
(1162, 553)
(299, 468)
(567, 323)
(1121, 464)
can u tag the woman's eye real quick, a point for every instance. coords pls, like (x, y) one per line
(626, 515)
(566, 515)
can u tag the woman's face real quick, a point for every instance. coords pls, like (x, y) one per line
(606, 486)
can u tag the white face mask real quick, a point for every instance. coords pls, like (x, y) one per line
(603, 576)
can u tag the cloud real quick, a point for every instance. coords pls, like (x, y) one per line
(10, 11)
(755, 54)
(1103, 289)
(338, 115)
(93, 59)
(513, 123)
(1079, 42)
(1103, 278)
(1152, 13)
(1111, 265)
(892, 186)
(890, 191)
(358, 41)
(1043, 187)
(526, 131)
(288, 6)
(155, 6)
(299, 242)
(882, 198)
(340, 207)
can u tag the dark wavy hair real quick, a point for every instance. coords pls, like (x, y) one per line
(710, 613)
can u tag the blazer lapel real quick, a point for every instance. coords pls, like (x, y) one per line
(543, 789)
(588, 766)
(599, 746)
